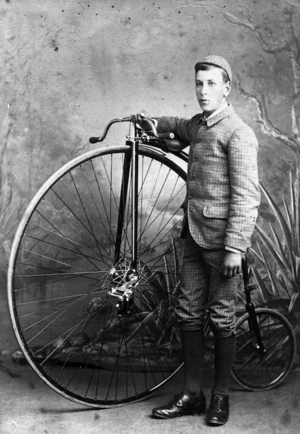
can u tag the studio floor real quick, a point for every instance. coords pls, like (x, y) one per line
(28, 406)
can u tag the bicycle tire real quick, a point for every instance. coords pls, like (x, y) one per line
(65, 321)
(256, 371)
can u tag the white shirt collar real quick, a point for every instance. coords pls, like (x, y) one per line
(219, 110)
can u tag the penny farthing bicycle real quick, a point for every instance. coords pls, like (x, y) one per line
(94, 273)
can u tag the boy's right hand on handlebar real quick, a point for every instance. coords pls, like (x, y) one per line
(145, 122)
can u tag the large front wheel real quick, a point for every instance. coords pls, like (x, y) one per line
(73, 246)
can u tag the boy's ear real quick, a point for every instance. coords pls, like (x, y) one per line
(227, 88)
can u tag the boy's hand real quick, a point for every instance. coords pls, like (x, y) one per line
(143, 120)
(232, 264)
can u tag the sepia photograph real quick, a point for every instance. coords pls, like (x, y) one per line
(150, 216)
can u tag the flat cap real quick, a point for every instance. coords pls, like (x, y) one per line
(215, 60)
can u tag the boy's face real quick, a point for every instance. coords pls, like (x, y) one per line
(211, 91)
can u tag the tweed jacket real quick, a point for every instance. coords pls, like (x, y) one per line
(222, 187)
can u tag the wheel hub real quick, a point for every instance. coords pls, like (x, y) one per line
(122, 288)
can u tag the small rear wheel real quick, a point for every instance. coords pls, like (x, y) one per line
(255, 370)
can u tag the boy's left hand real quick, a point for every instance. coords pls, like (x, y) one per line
(231, 264)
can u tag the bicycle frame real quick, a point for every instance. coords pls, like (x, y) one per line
(124, 291)
(252, 320)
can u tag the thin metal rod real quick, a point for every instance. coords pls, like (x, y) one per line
(122, 206)
(135, 189)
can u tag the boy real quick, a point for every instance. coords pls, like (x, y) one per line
(220, 214)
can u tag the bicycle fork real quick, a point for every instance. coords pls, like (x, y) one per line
(122, 286)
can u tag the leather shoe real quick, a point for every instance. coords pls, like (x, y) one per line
(181, 405)
(218, 411)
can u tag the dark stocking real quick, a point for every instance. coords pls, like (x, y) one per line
(224, 355)
(193, 355)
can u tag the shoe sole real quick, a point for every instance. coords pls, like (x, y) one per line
(190, 413)
(215, 422)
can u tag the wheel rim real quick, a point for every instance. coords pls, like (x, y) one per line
(254, 370)
(60, 275)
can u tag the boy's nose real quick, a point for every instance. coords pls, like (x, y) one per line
(204, 89)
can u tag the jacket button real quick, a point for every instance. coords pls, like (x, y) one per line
(192, 177)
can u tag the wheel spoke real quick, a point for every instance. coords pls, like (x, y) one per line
(73, 250)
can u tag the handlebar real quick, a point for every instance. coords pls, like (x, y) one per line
(149, 126)
(160, 140)
(104, 134)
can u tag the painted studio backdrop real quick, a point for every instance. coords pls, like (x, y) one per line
(68, 67)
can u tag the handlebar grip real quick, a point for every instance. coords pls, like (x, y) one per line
(166, 136)
(94, 139)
